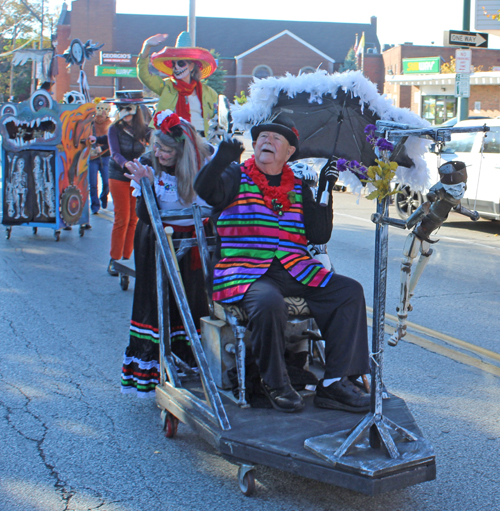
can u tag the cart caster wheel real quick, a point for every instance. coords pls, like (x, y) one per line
(8, 230)
(124, 280)
(81, 231)
(170, 424)
(246, 480)
(35, 230)
(57, 235)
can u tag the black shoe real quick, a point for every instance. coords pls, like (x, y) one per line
(284, 399)
(95, 212)
(111, 268)
(68, 228)
(358, 381)
(86, 226)
(342, 395)
(104, 203)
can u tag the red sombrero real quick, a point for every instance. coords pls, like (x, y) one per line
(162, 60)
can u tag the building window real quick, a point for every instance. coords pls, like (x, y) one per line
(307, 69)
(262, 72)
(438, 109)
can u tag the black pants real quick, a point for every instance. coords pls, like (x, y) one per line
(338, 308)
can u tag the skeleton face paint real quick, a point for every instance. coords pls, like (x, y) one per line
(181, 69)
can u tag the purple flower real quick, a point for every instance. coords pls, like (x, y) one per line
(384, 145)
(370, 128)
(342, 164)
(362, 172)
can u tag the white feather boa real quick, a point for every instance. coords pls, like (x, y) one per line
(264, 95)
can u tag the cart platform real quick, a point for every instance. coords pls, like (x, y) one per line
(275, 439)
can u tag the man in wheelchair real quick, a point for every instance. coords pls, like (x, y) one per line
(264, 217)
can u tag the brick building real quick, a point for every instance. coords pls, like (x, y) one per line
(247, 48)
(431, 93)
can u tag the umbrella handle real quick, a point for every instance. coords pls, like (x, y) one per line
(325, 196)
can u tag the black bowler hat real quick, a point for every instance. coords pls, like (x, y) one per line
(282, 125)
(129, 97)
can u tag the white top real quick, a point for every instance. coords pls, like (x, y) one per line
(195, 111)
(165, 187)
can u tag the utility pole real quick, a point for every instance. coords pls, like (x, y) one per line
(11, 85)
(192, 22)
(463, 103)
(41, 29)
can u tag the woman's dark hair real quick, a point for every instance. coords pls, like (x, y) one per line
(138, 125)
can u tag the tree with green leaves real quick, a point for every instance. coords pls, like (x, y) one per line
(21, 25)
(217, 80)
(350, 62)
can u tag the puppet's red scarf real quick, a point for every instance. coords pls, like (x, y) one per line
(186, 89)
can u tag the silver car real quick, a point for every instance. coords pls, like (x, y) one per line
(481, 153)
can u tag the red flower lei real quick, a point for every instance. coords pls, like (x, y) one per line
(276, 198)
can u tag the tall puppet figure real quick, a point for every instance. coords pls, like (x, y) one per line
(182, 92)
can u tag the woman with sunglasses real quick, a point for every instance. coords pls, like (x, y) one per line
(182, 92)
(177, 155)
(127, 138)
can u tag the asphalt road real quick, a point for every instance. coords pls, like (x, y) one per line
(70, 441)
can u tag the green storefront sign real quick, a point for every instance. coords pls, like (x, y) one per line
(422, 65)
(116, 72)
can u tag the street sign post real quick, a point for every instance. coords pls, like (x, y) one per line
(463, 61)
(465, 39)
(462, 85)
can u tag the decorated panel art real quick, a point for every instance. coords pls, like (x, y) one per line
(45, 161)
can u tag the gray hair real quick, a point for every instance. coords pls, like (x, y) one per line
(192, 152)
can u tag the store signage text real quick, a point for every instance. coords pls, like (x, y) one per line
(422, 65)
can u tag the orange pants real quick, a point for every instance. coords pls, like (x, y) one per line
(122, 236)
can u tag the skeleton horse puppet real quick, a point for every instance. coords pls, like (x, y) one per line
(385, 450)
(45, 149)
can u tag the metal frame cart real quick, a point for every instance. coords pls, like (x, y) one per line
(315, 443)
(45, 153)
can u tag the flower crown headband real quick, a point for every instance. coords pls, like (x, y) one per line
(170, 124)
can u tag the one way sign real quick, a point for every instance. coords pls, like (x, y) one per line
(468, 39)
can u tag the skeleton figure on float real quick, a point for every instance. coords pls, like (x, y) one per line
(49, 191)
(39, 175)
(19, 185)
(9, 199)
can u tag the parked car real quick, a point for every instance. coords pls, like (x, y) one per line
(483, 170)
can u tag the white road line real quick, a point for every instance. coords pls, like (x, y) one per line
(451, 238)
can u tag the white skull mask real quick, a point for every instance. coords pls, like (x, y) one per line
(181, 69)
(127, 110)
(102, 109)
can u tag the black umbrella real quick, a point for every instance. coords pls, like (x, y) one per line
(333, 128)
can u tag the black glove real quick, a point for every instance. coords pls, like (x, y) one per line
(229, 150)
(329, 174)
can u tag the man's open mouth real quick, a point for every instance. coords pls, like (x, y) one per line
(23, 133)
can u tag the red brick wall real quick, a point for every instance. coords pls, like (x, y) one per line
(229, 65)
(90, 19)
(489, 96)
(373, 69)
(282, 55)
(393, 58)
(62, 80)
